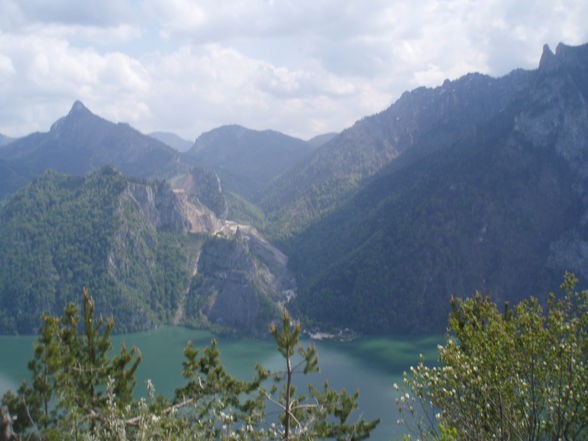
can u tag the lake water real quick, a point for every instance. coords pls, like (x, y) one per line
(369, 364)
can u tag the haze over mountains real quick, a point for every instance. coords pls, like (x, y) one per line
(247, 160)
(5, 140)
(319, 140)
(480, 183)
(173, 140)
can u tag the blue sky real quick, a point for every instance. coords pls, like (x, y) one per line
(303, 67)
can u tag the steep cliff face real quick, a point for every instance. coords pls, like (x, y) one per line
(557, 115)
(158, 204)
(229, 284)
(242, 282)
(231, 276)
(202, 187)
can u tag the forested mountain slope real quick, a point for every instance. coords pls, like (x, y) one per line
(149, 255)
(488, 191)
(423, 119)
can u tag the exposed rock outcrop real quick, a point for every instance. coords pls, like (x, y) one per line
(159, 205)
(203, 187)
(242, 280)
(239, 288)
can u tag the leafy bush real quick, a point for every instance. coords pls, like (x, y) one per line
(519, 374)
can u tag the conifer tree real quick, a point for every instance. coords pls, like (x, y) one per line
(79, 391)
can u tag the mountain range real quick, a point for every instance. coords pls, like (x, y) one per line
(484, 189)
(478, 184)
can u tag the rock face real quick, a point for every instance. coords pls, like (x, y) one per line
(487, 191)
(242, 281)
(202, 187)
(160, 206)
(557, 117)
(236, 279)
(232, 299)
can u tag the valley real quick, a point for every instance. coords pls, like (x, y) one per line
(475, 188)
(276, 220)
(372, 229)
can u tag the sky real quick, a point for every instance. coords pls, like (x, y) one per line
(302, 67)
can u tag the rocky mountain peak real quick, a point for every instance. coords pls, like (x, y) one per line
(572, 54)
(574, 59)
(77, 113)
(548, 61)
(77, 108)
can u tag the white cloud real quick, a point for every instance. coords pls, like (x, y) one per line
(88, 34)
(6, 68)
(197, 88)
(51, 74)
(182, 16)
(300, 66)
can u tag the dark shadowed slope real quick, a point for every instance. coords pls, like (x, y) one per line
(490, 194)
(339, 167)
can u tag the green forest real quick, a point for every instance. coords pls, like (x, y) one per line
(63, 233)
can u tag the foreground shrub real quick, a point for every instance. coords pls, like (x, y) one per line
(519, 374)
(79, 390)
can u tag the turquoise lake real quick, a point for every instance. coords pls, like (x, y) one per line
(369, 364)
